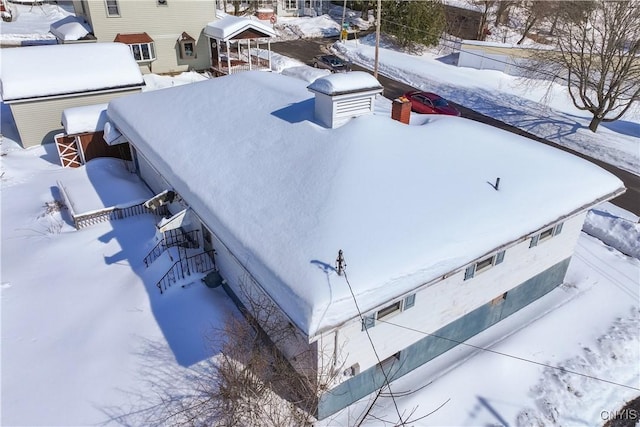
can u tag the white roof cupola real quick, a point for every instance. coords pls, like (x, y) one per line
(342, 96)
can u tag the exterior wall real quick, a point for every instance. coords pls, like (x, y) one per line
(450, 300)
(38, 120)
(148, 174)
(164, 24)
(431, 346)
(508, 59)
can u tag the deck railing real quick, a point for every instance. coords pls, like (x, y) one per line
(113, 213)
(199, 263)
(175, 237)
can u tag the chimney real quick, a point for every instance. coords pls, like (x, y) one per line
(401, 110)
(343, 96)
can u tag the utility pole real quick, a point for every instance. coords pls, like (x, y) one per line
(344, 14)
(375, 66)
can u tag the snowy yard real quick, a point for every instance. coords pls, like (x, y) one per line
(87, 338)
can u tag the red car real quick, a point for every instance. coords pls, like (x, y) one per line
(430, 103)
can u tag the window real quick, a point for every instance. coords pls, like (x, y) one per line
(545, 234)
(483, 265)
(409, 301)
(290, 4)
(113, 10)
(141, 46)
(187, 46)
(388, 363)
(499, 299)
(389, 310)
(369, 321)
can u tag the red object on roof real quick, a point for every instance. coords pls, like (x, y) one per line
(133, 38)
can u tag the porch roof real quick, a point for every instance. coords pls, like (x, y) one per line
(230, 27)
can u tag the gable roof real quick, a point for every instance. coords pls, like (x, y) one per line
(229, 27)
(406, 203)
(65, 69)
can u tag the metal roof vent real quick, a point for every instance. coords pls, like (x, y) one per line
(342, 96)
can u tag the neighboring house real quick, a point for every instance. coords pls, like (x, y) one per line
(265, 8)
(437, 229)
(40, 82)
(238, 44)
(165, 36)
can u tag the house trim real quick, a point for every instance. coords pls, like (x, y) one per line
(73, 94)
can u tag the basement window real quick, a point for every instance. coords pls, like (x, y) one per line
(545, 235)
(388, 363)
(483, 265)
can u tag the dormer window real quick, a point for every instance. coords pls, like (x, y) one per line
(141, 45)
(187, 46)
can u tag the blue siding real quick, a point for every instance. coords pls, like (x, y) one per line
(431, 346)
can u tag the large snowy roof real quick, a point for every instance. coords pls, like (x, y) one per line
(229, 26)
(39, 71)
(406, 203)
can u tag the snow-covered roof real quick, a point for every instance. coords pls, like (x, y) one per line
(84, 119)
(229, 26)
(70, 28)
(341, 83)
(40, 71)
(406, 203)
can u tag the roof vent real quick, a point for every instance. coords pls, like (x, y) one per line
(342, 96)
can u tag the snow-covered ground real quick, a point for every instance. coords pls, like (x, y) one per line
(32, 22)
(85, 330)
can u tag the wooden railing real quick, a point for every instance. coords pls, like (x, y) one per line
(200, 263)
(175, 237)
(113, 213)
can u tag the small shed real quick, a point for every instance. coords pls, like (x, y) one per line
(84, 137)
(235, 45)
(40, 82)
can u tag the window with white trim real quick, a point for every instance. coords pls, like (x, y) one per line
(545, 235)
(483, 265)
(369, 321)
(113, 9)
(290, 4)
(143, 51)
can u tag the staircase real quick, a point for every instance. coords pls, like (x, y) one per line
(186, 264)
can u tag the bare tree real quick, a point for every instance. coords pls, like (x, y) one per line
(599, 55)
(502, 12)
(536, 11)
(485, 6)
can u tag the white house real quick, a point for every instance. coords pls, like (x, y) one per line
(445, 225)
(40, 82)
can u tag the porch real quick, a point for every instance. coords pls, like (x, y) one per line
(239, 44)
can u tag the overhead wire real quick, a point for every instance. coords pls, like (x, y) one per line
(511, 356)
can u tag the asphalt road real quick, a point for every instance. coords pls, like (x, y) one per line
(305, 50)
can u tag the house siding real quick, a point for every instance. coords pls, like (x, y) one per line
(431, 346)
(164, 24)
(445, 301)
(49, 114)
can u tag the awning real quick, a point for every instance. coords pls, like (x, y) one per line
(133, 38)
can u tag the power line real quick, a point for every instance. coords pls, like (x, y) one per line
(523, 359)
(342, 267)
